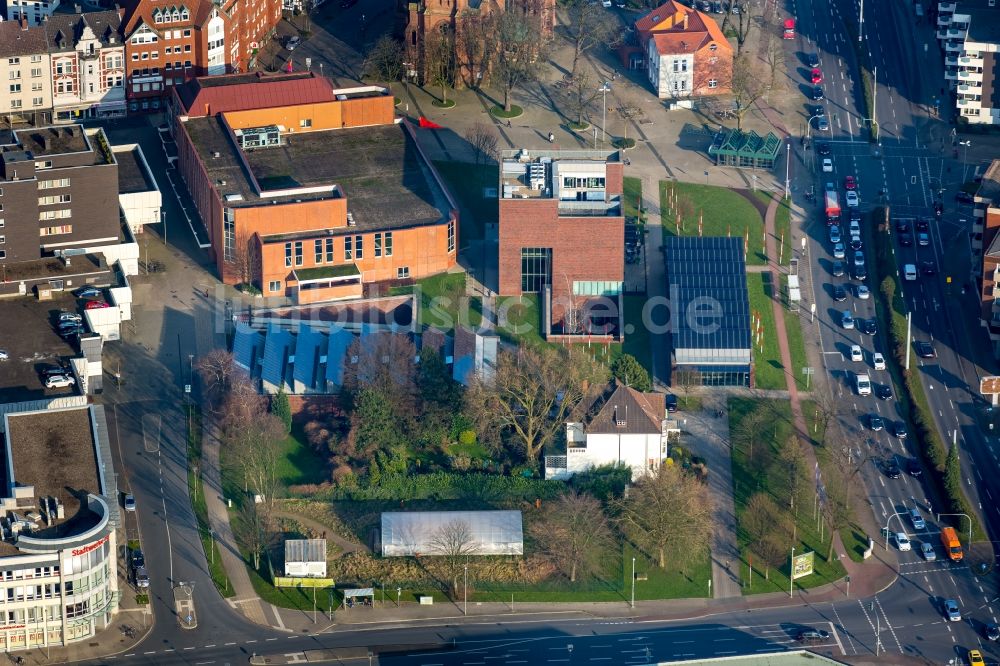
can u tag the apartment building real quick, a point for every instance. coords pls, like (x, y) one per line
(170, 42)
(33, 11)
(969, 32)
(58, 193)
(25, 72)
(308, 191)
(562, 232)
(985, 242)
(59, 551)
(88, 65)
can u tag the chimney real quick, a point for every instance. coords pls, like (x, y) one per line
(78, 9)
(685, 21)
(24, 22)
(45, 18)
(44, 140)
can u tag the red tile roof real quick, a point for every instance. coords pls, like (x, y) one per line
(665, 26)
(210, 96)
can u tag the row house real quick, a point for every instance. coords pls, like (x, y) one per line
(25, 78)
(87, 65)
(171, 41)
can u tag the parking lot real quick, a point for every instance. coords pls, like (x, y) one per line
(28, 334)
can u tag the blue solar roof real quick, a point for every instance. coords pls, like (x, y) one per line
(340, 340)
(279, 345)
(247, 345)
(309, 345)
(710, 308)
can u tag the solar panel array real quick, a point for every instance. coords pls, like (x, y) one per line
(709, 305)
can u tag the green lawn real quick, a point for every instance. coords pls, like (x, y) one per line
(216, 569)
(632, 195)
(796, 347)
(782, 225)
(636, 333)
(299, 463)
(723, 213)
(291, 597)
(466, 182)
(764, 474)
(443, 301)
(769, 371)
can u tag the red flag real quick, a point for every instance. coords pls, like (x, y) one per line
(428, 124)
(288, 65)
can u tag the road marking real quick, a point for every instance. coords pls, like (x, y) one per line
(188, 648)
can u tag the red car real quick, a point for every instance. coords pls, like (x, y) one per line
(850, 183)
(96, 305)
(817, 76)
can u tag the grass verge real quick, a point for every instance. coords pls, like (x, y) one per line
(196, 489)
(723, 212)
(769, 371)
(767, 472)
(796, 347)
(632, 199)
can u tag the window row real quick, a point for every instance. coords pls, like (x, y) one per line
(353, 248)
(50, 184)
(171, 15)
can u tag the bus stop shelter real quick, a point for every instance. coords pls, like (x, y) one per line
(360, 595)
(744, 150)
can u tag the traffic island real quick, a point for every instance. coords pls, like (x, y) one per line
(187, 618)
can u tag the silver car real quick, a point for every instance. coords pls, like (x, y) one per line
(927, 551)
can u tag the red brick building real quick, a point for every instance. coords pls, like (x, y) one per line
(468, 22)
(168, 42)
(308, 191)
(562, 231)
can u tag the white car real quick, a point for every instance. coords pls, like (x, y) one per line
(879, 361)
(863, 384)
(852, 199)
(902, 541)
(59, 381)
(827, 165)
(839, 251)
(863, 292)
(856, 354)
(606, 4)
(4, 355)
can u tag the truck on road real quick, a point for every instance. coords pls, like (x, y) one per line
(832, 207)
(951, 544)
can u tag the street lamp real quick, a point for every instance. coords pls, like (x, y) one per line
(791, 574)
(633, 582)
(861, 20)
(465, 596)
(809, 124)
(965, 157)
(887, 526)
(788, 160)
(604, 89)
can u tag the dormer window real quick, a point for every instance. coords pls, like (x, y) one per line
(713, 47)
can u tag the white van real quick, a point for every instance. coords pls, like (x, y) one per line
(863, 384)
(909, 272)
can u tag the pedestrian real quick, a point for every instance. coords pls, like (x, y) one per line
(508, 123)
(552, 137)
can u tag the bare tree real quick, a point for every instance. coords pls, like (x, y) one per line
(253, 529)
(309, 8)
(669, 515)
(216, 370)
(581, 93)
(439, 59)
(253, 438)
(574, 534)
(750, 430)
(743, 22)
(768, 530)
(477, 47)
(245, 259)
(686, 380)
(749, 83)
(518, 54)
(385, 60)
(589, 26)
(454, 543)
(484, 140)
(532, 394)
(628, 109)
(794, 467)
(773, 54)
(386, 364)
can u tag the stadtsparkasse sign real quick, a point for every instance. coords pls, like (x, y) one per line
(94, 546)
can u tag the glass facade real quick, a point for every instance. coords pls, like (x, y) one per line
(536, 268)
(715, 375)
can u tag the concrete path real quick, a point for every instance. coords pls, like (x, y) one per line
(707, 435)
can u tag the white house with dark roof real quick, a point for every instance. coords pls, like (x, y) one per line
(628, 428)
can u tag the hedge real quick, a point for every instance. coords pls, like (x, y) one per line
(891, 312)
(864, 65)
(441, 486)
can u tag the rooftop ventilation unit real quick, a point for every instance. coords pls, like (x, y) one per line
(350, 219)
(259, 137)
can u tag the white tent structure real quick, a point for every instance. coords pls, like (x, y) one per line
(414, 533)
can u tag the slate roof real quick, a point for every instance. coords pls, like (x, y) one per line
(309, 346)
(278, 346)
(629, 412)
(210, 96)
(105, 25)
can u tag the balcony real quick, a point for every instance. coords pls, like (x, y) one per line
(951, 33)
(972, 77)
(969, 104)
(947, 7)
(951, 73)
(970, 61)
(589, 208)
(954, 46)
(943, 20)
(970, 90)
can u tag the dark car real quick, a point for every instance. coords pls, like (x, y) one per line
(923, 224)
(839, 293)
(899, 429)
(965, 197)
(992, 632)
(856, 243)
(812, 635)
(928, 268)
(860, 272)
(875, 422)
(925, 350)
(902, 226)
(854, 214)
(54, 370)
(69, 330)
(905, 239)
(817, 93)
(136, 558)
(913, 467)
(838, 269)
(717, 8)
(883, 391)
(812, 60)
(819, 111)
(892, 469)
(87, 291)
(823, 148)
(868, 326)
(671, 402)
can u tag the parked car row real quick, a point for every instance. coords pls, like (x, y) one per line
(634, 242)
